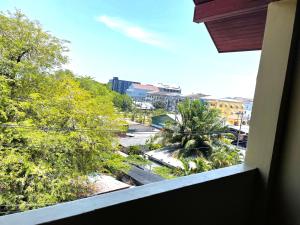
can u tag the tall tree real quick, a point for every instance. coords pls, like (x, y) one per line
(55, 129)
(197, 129)
(123, 102)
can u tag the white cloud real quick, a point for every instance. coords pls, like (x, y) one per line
(135, 32)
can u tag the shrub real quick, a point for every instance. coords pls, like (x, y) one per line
(224, 157)
(135, 150)
(154, 146)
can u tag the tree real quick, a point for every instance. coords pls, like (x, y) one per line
(159, 105)
(55, 129)
(197, 165)
(225, 156)
(97, 89)
(199, 128)
(26, 49)
(123, 102)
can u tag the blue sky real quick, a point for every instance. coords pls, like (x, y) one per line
(147, 41)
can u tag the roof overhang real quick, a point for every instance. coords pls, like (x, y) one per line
(234, 25)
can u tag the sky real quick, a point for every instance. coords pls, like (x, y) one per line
(146, 41)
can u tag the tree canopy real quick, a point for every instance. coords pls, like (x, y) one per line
(198, 128)
(123, 102)
(55, 128)
(199, 139)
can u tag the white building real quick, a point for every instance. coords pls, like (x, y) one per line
(169, 99)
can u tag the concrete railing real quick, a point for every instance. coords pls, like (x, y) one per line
(223, 196)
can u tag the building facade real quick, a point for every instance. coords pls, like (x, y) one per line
(120, 86)
(168, 88)
(170, 100)
(231, 110)
(248, 110)
(139, 92)
(168, 95)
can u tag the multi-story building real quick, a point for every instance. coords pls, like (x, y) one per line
(168, 95)
(248, 110)
(231, 110)
(121, 86)
(248, 104)
(170, 100)
(168, 88)
(139, 92)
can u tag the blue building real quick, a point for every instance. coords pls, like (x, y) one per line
(120, 86)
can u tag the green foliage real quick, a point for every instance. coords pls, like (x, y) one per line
(198, 130)
(158, 112)
(137, 160)
(135, 150)
(122, 102)
(154, 146)
(55, 129)
(201, 165)
(223, 157)
(94, 87)
(164, 172)
(196, 165)
(26, 48)
(159, 105)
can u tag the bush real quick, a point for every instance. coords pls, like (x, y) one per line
(154, 146)
(224, 157)
(135, 150)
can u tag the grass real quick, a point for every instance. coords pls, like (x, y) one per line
(164, 172)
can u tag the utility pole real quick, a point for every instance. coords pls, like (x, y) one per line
(239, 133)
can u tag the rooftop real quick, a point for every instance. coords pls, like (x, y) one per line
(143, 177)
(104, 184)
(148, 87)
(220, 99)
(234, 25)
(165, 93)
(168, 86)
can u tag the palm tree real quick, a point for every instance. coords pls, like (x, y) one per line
(191, 166)
(225, 156)
(200, 126)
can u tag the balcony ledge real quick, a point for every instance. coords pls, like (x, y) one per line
(93, 205)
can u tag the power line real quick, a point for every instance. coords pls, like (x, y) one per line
(105, 130)
(57, 129)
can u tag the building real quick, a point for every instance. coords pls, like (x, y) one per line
(168, 95)
(139, 92)
(170, 100)
(101, 183)
(139, 176)
(168, 88)
(144, 105)
(265, 189)
(196, 96)
(120, 86)
(231, 110)
(248, 104)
